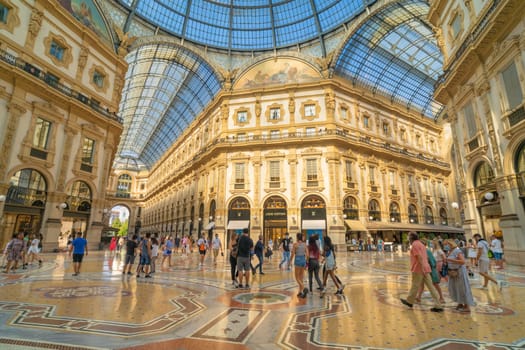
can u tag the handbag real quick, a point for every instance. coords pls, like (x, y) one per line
(444, 270)
(453, 273)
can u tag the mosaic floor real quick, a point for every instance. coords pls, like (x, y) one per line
(192, 307)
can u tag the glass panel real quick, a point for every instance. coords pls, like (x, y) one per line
(41, 135)
(311, 169)
(4, 11)
(512, 86)
(470, 120)
(56, 50)
(88, 147)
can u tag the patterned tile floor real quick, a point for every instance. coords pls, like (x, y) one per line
(188, 307)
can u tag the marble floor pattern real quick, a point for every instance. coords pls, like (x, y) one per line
(191, 307)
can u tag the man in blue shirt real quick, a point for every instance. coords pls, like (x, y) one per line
(78, 249)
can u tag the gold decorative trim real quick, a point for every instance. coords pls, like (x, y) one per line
(68, 57)
(241, 116)
(270, 117)
(12, 16)
(310, 110)
(105, 83)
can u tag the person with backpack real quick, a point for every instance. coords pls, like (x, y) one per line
(145, 256)
(202, 244)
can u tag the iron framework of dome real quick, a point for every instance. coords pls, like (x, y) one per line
(391, 50)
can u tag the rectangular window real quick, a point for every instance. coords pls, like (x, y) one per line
(242, 117)
(403, 135)
(366, 122)
(392, 179)
(411, 184)
(470, 120)
(309, 110)
(41, 135)
(4, 11)
(239, 175)
(371, 175)
(348, 170)
(456, 25)
(386, 129)
(88, 148)
(311, 172)
(98, 79)
(275, 174)
(512, 86)
(310, 131)
(275, 113)
(57, 50)
(344, 113)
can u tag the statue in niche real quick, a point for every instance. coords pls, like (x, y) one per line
(34, 25)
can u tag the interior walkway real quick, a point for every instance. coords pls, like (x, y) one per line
(187, 307)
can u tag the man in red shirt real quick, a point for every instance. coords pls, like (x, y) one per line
(420, 269)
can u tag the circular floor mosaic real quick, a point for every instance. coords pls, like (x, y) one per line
(261, 298)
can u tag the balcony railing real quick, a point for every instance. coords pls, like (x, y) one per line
(473, 145)
(26, 197)
(517, 116)
(36, 72)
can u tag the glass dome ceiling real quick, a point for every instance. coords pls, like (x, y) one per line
(392, 51)
(246, 25)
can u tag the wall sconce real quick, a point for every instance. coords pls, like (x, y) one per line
(211, 218)
(412, 221)
(2, 198)
(344, 216)
(455, 205)
(489, 196)
(392, 219)
(371, 218)
(62, 206)
(200, 219)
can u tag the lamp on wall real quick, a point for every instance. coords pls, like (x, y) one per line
(211, 218)
(62, 206)
(455, 205)
(2, 198)
(294, 219)
(344, 216)
(489, 196)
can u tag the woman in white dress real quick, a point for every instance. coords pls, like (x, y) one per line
(32, 252)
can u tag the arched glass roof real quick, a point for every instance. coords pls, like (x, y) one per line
(247, 25)
(166, 87)
(394, 53)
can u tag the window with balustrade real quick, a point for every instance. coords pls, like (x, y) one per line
(351, 209)
(374, 210)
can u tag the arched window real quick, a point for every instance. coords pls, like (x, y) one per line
(275, 202)
(412, 214)
(429, 218)
(519, 165)
(79, 197)
(443, 216)
(124, 186)
(27, 187)
(395, 215)
(374, 211)
(351, 210)
(239, 203)
(483, 175)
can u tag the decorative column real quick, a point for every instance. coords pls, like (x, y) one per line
(294, 209)
(256, 210)
(14, 112)
(336, 227)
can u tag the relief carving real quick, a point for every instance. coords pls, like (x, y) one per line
(35, 23)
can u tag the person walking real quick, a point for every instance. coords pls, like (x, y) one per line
(458, 284)
(420, 273)
(484, 262)
(202, 243)
(15, 250)
(145, 256)
(244, 246)
(330, 266)
(233, 259)
(216, 246)
(314, 254)
(434, 274)
(300, 259)
(497, 249)
(167, 251)
(32, 252)
(78, 249)
(259, 253)
(285, 249)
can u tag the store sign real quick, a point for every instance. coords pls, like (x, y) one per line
(275, 214)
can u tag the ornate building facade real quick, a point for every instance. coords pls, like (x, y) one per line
(60, 86)
(483, 89)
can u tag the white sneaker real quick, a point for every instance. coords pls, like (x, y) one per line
(482, 287)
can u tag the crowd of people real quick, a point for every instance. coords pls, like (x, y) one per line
(452, 261)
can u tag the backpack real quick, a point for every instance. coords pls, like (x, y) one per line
(202, 246)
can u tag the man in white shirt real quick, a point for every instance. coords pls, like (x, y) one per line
(484, 261)
(216, 245)
(497, 250)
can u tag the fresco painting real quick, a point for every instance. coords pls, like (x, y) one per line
(280, 71)
(87, 13)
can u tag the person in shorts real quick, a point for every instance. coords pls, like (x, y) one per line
(484, 262)
(244, 246)
(78, 249)
(145, 256)
(131, 252)
(202, 243)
